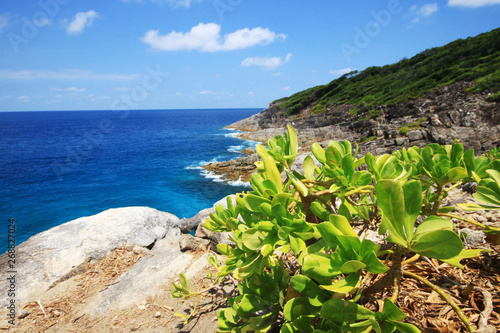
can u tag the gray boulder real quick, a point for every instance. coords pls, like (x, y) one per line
(57, 254)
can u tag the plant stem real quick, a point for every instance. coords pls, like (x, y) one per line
(441, 293)
(437, 203)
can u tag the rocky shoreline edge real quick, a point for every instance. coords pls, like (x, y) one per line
(441, 116)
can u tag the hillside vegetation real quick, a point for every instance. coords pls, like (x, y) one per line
(475, 59)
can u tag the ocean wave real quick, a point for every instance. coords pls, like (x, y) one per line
(236, 149)
(239, 182)
(199, 165)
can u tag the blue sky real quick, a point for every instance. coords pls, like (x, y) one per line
(176, 54)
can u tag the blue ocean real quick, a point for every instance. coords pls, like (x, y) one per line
(61, 165)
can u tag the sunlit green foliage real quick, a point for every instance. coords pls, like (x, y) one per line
(473, 59)
(302, 265)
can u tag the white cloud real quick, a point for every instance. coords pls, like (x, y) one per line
(4, 22)
(66, 74)
(472, 3)
(80, 22)
(206, 37)
(286, 88)
(173, 3)
(43, 22)
(341, 71)
(24, 99)
(266, 62)
(71, 89)
(423, 12)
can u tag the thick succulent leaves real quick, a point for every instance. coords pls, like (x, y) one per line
(309, 167)
(372, 165)
(321, 267)
(320, 210)
(299, 186)
(272, 173)
(464, 254)
(298, 307)
(341, 311)
(252, 239)
(392, 312)
(333, 157)
(253, 202)
(250, 266)
(318, 152)
(412, 206)
(318, 247)
(457, 153)
(453, 175)
(373, 264)
(343, 225)
(390, 197)
(344, 286)
(310, 289)
(476, 168)
(292, 145)
(438, 244)
(489, 192)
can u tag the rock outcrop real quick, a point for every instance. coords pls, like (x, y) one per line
(55, 255)
(441, 116)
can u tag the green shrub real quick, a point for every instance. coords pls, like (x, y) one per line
(404, 130)
(300, 264)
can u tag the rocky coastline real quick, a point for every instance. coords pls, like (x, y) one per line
(114, 271)
(441, 116)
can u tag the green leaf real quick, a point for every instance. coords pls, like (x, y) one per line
(390, 198)
(310, 289)
(455, 261)
(344, 286)
(455, 174)
(298, 307)
(352, 266)
(405, 327)
(373, 264)
(320, 267)
(297, 244)
(253, 202)
(292, 141)
(434, 223)
(342, 224)
(224, 249)
(272, 173)
(309, 167)
(300, 186)
(320, 210)
(487, 195)
(344, 311)
(252, 239)
(473, 207)
(392, 312)
(438, 244)
(412, 206)
(318, 152)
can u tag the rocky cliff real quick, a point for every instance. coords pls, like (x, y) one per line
(441, 116)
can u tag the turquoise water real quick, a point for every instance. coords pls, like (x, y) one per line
(59, 166)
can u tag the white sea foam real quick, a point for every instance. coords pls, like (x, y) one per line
(239, 182)
(199, 165)
(236, 149)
